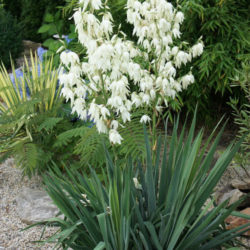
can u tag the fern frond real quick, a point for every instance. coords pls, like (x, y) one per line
(133, 143)
(26, 156)
(65, 137)
(91, 147)
(50, 123)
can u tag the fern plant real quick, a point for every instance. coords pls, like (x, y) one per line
(89, 145)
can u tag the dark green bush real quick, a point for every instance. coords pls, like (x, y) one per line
(223, 25)
(31, 14)
(10, 38)
(13, 6)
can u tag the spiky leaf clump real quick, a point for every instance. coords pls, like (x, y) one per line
(160, 206)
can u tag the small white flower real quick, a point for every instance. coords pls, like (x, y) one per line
(179, 18)
(78, 107)
(145, 119)
(174, 50)
(106, 25)
(182, 58)
(96, 4)
(146, 98)
(101, 126)
(164, 26)
(197, 49)
(136, 99)
(137, 184)
(186, 80)
(114, 124)
(176, 32)
(125, 116)
(78, 17)
(115, 137)
(105, 112)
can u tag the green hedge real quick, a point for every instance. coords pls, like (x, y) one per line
(10, 38)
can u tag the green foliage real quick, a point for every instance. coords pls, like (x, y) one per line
(224, 27)
(242, 114)
(10, 39)
(160, 205)
(55, 25)
(30, 13)
(32, 115)
(14, 7)
(117, 8)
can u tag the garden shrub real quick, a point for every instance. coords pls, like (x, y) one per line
(223, 26)
(10, 39)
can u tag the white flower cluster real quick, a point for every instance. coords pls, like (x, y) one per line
(110, 67)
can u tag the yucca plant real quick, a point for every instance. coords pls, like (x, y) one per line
(157, 204)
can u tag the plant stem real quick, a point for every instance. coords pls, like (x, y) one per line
(154, 135)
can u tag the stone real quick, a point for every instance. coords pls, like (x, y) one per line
(234, 178)
(35, 206)
(233, 196)
(234, 221)
(243, 184)
(28, 47)
(233, 173)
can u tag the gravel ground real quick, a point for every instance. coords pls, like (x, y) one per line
(11, 237)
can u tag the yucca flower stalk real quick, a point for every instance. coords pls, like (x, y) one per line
(119, 76)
